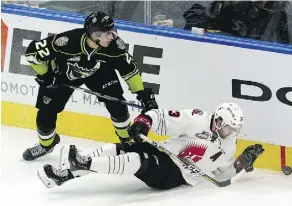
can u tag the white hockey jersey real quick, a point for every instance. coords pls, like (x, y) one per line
(190, 135)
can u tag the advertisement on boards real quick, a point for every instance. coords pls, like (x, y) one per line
(183, 74)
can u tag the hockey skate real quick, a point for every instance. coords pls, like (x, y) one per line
(70, 158)
(38, 150)
(51, 176)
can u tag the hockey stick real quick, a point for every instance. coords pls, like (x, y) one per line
(193, 167)
(102, 96)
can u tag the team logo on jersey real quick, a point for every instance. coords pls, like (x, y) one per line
(61, 41)
(203, 135)
(193, 150)
(74, 71)
(75, 59)
(47, 100)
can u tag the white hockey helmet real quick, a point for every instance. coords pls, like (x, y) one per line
(228, 119)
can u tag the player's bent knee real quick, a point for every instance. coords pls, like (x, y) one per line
(132, 147)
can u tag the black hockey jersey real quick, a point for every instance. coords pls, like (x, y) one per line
(71, 59)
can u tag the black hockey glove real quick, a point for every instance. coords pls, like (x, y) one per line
(46, 80)
(248, 157)
(141, 125)
(147, 99)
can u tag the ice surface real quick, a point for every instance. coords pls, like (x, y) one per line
(20, 184)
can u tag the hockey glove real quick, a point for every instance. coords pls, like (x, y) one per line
(248, 157)
(141, 125)
(46, 80)
(147, 99)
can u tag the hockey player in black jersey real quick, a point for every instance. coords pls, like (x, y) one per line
(89, 56)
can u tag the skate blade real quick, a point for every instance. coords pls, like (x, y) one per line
(49, 183)
(64, 158)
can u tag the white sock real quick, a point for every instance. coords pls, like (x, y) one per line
(105, 150)
(128, 163)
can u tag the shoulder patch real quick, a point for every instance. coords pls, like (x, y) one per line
(61, 41)
(121, 44)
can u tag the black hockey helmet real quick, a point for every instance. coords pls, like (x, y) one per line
(98, 22)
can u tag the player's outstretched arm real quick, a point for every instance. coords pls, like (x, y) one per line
(248, 157)
(127, 68)
(244, 161)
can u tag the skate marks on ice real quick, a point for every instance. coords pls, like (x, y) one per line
(19, 183)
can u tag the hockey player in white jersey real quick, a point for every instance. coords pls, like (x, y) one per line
(209, 140)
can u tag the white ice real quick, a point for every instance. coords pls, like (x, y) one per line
(20, 184)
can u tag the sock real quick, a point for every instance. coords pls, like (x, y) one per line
(121, 125)
(46, 139)
(104, 150)
(123, 164)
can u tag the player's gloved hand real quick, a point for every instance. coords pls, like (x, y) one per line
(147, 99)
(141, 125)
(248, 157)
(47, 80)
